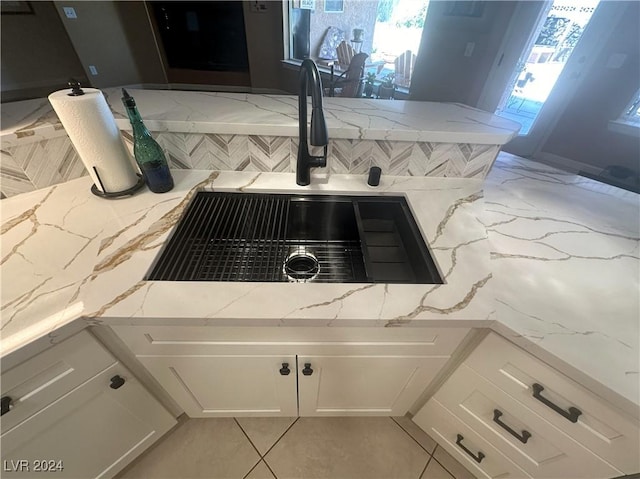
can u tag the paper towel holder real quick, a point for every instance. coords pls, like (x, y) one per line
(116, 194)
(76, 89)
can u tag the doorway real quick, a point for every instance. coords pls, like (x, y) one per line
(555, 35)
(548, 47)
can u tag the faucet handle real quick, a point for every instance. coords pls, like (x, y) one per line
(319, 161)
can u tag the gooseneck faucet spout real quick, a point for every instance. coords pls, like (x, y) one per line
(319, 137)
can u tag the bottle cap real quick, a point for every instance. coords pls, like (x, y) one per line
(127, 99)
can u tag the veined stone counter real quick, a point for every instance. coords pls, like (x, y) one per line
(274, 115)
(68, 254)
(244, 132)
(548, 259)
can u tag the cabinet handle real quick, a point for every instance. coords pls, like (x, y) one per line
(307, 371)
(284, 370)
(477, 458)
(523, 438)
(573, 412)
(7, 405)
(116, 382)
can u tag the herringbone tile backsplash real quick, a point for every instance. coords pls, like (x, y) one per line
(37, 165)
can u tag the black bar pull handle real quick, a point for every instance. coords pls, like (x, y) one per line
(523, 437)
(307, 371)
(7, 405)
(573, 412)
(477, 458)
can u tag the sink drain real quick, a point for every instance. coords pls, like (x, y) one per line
(301, 266)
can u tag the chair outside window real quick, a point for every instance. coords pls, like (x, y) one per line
(345, 54)
(404, 66)
(350, 82)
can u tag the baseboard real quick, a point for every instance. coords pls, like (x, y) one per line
(596, 173)
(565, 164)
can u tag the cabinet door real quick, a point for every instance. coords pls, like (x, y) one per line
(93, 431)
(228, 385)
(363, 385)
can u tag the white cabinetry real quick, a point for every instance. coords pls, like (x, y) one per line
(524, 416)
(368, 384)
(217, 371)
(228, 385)
(77, 410)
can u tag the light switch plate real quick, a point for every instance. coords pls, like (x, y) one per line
(468, 51)
(70, 12)
(93, 70)
(616, 61)
(259, 6)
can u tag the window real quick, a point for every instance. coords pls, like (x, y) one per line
(628, 122)
(632, 112)
(384, 29)
(334, 6)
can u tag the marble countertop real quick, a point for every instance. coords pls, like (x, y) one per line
(274, 115)
(548, 259)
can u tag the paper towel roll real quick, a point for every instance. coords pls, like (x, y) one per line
(93, 131)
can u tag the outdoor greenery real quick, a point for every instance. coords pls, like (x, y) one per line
(414, 21)
(385, 10)
(552, 31)
(387, 80)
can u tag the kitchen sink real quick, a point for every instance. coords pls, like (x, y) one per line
(296, 238)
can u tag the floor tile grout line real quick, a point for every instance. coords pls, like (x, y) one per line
(257, 464)
(281, 436)
(274, 445)
(262, 457)
(425, 467)
(249, 439)
(414, 439)
(269, 467)
(251, 470)
(442, 465)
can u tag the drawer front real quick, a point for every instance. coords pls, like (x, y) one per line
(199, 340)
(51, 374)
(463, 443)
(604, 430)
(532, 443)
(93, 431)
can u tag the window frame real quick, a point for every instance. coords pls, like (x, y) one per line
(628, 123)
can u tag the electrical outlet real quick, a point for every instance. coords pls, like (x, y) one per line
(468, 51)
(70, 12)
(93, 70)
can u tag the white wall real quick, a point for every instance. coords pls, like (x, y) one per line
(36, 53)
(442, 71)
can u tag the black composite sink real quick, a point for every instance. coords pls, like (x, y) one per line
(304, 238)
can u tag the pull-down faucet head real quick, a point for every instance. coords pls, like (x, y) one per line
(319, 136)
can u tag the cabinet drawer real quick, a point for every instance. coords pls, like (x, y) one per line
(604, 430)
(93, 431)
(455, 436)
(203, 340)
(51, 374)
(540, 449)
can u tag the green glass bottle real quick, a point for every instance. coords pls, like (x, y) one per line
(147, 152)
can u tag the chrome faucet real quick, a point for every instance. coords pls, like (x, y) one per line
(319, 137)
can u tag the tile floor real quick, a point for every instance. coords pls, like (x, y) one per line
(296, 448)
